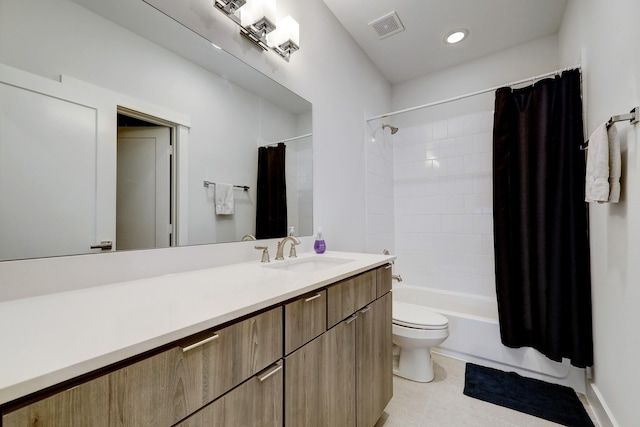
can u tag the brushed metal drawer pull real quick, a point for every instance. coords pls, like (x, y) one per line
(316, 296)
(388, 266)
(364, 310)
(352, 318)
(199, 343)
(271, 372)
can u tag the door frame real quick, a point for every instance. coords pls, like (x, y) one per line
(173, 164)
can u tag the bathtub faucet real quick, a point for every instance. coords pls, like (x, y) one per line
(396, 277)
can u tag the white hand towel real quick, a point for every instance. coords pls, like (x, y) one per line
(224, 199)
(597, 173)
(615, 168)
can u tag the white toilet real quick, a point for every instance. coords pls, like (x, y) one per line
(415, 330)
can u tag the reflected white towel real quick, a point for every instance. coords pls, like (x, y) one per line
(615, 165)
(597, 173)
(224, 199)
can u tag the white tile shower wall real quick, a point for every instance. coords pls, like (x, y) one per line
(380, 188)
(443, 204)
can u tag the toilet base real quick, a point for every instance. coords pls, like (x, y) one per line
(414, 364)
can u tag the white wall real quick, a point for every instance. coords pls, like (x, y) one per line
(603, 34)
(330, 71)
(520, 62)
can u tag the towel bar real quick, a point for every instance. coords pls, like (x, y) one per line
(633, 117)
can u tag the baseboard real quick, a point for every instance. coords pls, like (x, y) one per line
(601, 411)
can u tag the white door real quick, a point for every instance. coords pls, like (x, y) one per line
(143, 200)
(48, 173)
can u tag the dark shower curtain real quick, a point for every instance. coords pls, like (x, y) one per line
(271, 200)
(540, 220)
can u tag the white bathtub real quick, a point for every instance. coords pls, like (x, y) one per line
(474, 336)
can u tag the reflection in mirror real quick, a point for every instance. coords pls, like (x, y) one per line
(62, 180)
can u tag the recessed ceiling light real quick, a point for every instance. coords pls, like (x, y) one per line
(456, 36)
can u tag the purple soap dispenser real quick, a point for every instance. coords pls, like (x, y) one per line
(319, 245)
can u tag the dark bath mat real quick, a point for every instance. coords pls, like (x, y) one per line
(552, 402)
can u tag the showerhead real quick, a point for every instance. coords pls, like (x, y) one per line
(393, 129)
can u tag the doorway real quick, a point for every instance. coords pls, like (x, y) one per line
(145, 190)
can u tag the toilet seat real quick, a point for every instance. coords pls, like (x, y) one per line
(417, 317)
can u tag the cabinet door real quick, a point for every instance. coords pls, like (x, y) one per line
(304, 319)
(305, 395)
(375, 358)
(384, 279)
(346, 297)
(340, 365)
(257, 402)
(84, 405)
(320, 380)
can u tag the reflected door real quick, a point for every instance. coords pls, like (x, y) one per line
(48, 174)
(143, 205)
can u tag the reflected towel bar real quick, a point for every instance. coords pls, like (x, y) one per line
(244, 187)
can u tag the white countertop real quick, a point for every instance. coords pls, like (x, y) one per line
(53, 338)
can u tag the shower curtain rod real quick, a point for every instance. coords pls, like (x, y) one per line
(468, 95)
(287, 140)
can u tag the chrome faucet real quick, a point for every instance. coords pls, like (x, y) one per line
(292, 254)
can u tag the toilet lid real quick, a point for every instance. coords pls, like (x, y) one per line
(417, 316)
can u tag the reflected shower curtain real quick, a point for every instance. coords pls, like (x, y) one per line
(271, 200)
(543, 280)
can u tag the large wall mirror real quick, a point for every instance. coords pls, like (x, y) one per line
(151, 138)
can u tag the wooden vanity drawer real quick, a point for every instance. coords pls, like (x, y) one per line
(384, 279)
(304, 319)
(84, 405)
(163, 389)
(240, 351)
(167, 387)
(256, 402)
(348, 296)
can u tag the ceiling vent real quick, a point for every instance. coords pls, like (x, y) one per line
(387, 25)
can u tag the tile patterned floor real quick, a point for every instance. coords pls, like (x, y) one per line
(441, 403)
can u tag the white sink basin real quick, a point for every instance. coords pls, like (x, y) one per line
(308, 265)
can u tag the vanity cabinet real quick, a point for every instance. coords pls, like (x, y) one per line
(163, 389)
(321, 359)
(344, 377)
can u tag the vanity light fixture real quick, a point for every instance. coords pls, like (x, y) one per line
(257, 23)
(259, 16)
(456, 36)
(229, 7)
(286, 38)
